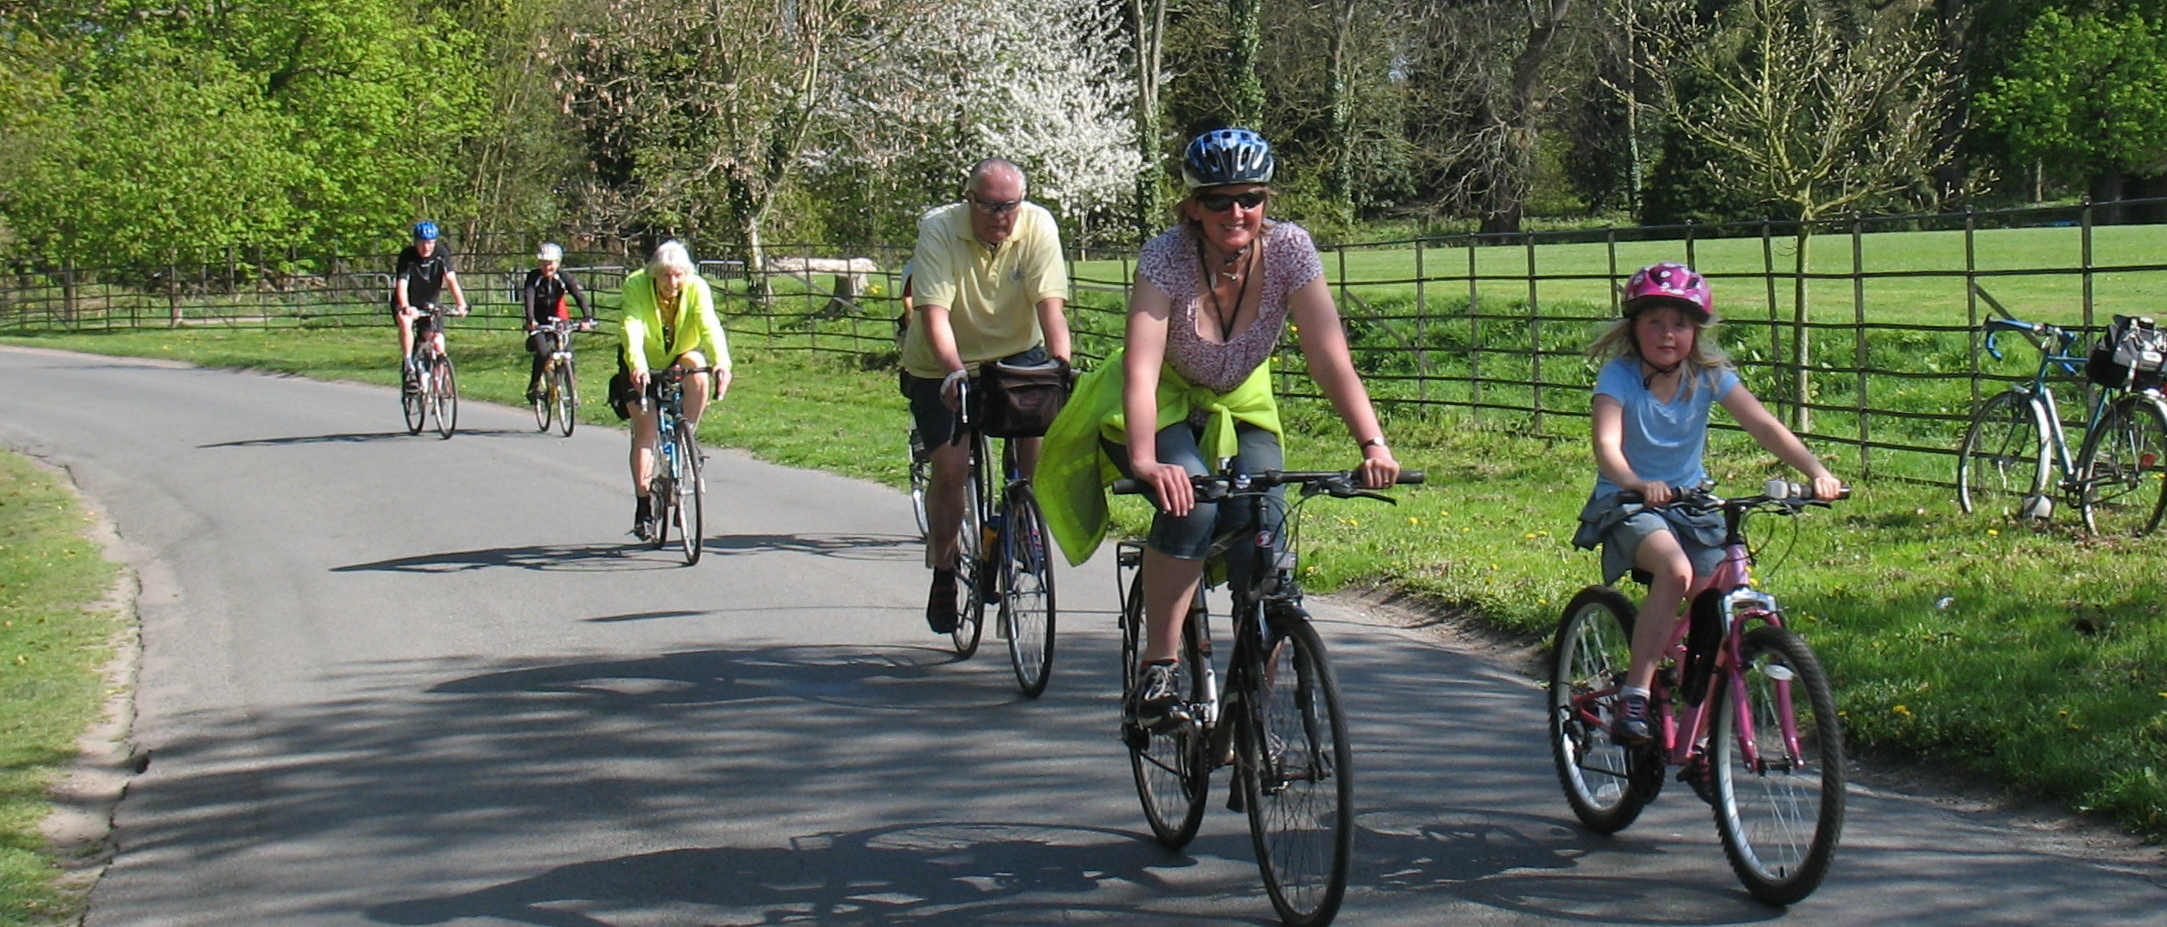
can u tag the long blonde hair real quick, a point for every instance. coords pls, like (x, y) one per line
(1707, 356)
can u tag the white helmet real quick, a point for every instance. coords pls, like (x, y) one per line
(549, 251)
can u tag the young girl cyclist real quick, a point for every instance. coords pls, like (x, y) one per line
(1664, 370)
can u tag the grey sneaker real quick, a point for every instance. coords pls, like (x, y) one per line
(1156, 705)
(1630, 728)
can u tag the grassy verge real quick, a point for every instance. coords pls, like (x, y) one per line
(53, 641)
(2034, 655)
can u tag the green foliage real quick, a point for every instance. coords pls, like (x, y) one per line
(2085, 91)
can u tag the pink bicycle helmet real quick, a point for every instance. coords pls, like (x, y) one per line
(1670, 282)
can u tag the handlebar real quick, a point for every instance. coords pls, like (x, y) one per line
(670, 376)
(1337, 483)
(1782, 493)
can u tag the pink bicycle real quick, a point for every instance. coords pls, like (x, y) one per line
(1741, 706)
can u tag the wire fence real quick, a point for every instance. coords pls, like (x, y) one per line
(1861, 331)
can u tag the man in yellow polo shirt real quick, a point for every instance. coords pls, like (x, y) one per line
(986, 283)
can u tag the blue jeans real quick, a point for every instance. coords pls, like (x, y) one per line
(1189, 537)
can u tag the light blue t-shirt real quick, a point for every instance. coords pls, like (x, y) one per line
(1663, 440)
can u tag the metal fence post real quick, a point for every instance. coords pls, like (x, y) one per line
(1971, 297)
(1534, 332)
(1422, 320)
(1474, 330)
(1858, 342)
(2084, 260)
(1775, 331)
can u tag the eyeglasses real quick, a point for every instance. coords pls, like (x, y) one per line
(996, 207)
(1221, 202)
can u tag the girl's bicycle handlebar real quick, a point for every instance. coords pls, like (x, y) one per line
(1782, 493)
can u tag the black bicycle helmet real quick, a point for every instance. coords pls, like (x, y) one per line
(1224, 156)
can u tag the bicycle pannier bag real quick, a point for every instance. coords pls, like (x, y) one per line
(2130, 355)
(1020, 401)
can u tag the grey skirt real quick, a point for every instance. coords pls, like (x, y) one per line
(1619, 527)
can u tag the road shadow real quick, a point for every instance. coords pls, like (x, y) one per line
(606, 557)
(940, 872)
(839, 546)
(356, 437)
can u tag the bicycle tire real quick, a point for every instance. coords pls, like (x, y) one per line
(1171, 768)
(1297, 775)
(544, 402)
(1587, 663)
(1027, 594)
(690, 512)
(973, 573)
(445, 397)
(566, 394)
(921, 473)
(1765, 804)
(413, 402)
(2124, 469)
(661, 492)
(2002, 462)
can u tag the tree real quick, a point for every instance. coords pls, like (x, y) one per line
(1813, 117)
(1476, 75)
(2085, 92)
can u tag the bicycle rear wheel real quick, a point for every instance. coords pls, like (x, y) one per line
(444, 399)
(974, 575)
(1297, 775)
(1779, 808)
(661, 499)
(921, 472)
(2003, 460)
(413, 400)
(1171, 768)
(1587, 663)
(566, 394)
(545, 402)
(2125, 468)
(1027, 602)
(691, 513)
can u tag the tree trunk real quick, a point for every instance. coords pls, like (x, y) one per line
(1150, 20)
(1247, 90)
(1519, 122)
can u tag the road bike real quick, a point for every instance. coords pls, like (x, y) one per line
(429, 387)
(675, 492)
(1278, 721)
(1740, 705)
(558, 398)
(2016, 440)
(1005, 555)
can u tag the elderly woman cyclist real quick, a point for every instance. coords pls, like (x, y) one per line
(669, 317)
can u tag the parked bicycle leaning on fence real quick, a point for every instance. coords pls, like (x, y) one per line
(2017, 447)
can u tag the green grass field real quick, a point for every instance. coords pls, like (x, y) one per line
(54, 638)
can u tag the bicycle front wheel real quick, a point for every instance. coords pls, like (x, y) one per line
(1297, 776)
(1778, 784)
(2003, 460)
(691, 514)
(2125, 468)
(1027, 610)
(1587, 663)
(445, 398)
(1171, 767)
(566, 395)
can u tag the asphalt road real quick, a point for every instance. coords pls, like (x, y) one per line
(400, 680)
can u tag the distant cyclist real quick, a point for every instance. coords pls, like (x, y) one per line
(543, 294)
(669, 316)
(423, 270)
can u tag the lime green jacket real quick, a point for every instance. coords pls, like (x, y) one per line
(1074, 468)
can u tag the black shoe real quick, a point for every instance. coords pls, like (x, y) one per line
(643, 518)
(1156, 705)
(533, 395)
(940, 602)
(1630, 728)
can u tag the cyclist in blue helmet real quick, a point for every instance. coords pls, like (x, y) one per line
(423, 269)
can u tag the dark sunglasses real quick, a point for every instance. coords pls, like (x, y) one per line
(996, 207)
(1220, 202)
